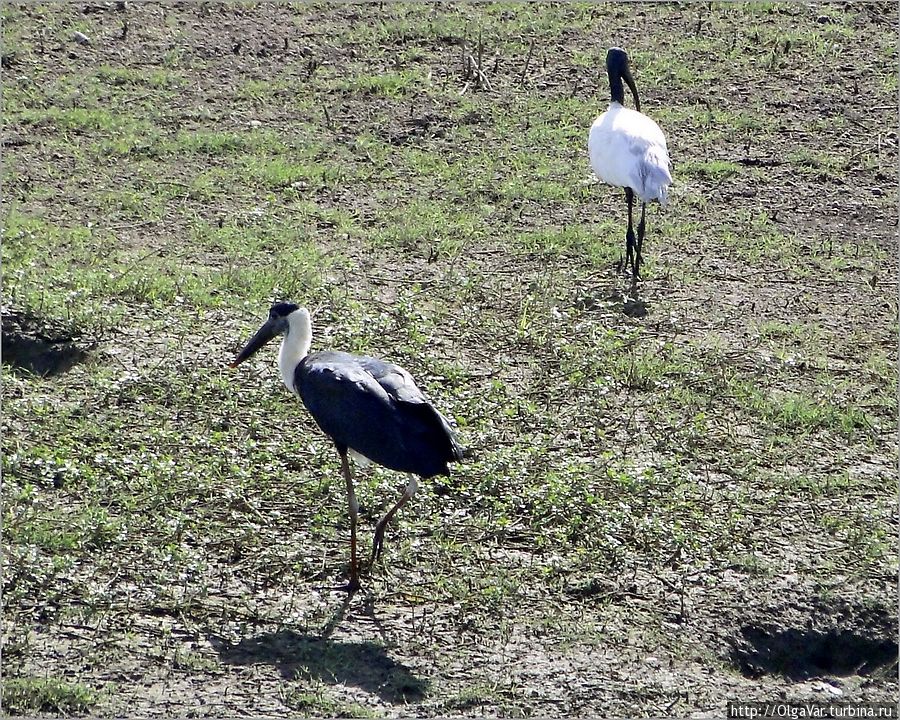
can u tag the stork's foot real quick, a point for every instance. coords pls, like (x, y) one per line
(378, 541)
(350, 587)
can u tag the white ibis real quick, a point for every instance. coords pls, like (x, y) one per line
(628, 149)
(368, 407)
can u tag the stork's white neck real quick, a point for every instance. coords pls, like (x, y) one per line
(294, 345)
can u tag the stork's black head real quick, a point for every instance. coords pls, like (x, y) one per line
(282, 310)
(276, 324)
(618, 69)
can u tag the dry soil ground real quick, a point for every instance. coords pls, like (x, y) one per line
(673, 500)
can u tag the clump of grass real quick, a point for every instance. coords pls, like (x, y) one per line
(430, 228)
(83, 120)
(22, 696)
(710, 169)
(585, 243)
(471, 697)
(317, 703)
(390, 84)
(797, 412)
(157, 78)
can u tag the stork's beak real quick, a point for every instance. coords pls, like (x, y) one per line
(263, 335)
(629, 80)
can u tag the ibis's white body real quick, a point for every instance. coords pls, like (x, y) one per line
(628, 149)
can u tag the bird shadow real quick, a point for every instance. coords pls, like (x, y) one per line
(634, 307)
(630, 302)
(297, 655)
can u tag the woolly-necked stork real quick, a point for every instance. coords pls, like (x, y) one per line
(368, 407)
(629, 150)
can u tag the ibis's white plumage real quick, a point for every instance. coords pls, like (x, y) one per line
(628, 149)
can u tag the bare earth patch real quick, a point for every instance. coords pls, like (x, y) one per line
(673, 500)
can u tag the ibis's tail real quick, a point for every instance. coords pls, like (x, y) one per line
(655, 175)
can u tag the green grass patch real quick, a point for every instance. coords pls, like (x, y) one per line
(592, 244)
(22, 696)
(154, 78)
(631, 459)
(389, 84)
(710, 169)
(318, 704)
(431, 227)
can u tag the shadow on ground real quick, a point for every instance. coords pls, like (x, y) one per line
(800, 654)
(37, 346)
(365, 665)
(833, 638)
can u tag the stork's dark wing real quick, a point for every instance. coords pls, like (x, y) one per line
(376, 409)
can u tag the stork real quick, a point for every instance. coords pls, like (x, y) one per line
(370, 409)
(628, 149)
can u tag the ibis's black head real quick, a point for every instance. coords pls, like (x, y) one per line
(274, 326)
(618, 69)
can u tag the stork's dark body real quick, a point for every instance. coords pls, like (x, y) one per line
(364, 405)
(374, 408)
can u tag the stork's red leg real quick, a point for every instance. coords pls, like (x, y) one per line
(378, 542)
(353, 583)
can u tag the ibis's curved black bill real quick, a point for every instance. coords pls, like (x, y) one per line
(263, 335)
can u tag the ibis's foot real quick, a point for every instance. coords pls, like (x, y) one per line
(635, 279)
(630, 247)
(636, 263)
(633, 290)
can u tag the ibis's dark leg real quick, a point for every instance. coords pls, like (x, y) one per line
(629, 235)
(640, 240)
(378, 542)
(353, 584)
